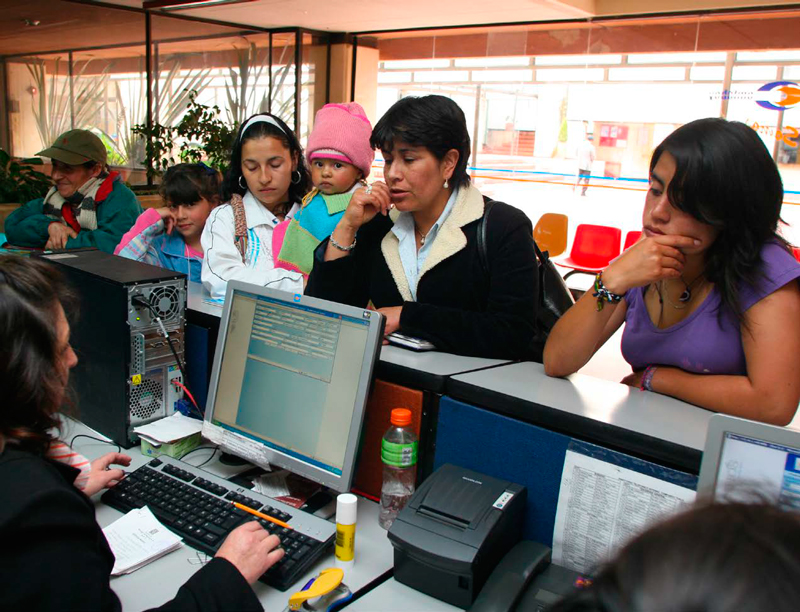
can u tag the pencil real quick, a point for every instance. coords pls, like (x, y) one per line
(266, 517)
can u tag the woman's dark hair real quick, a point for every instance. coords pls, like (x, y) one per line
(262, 129)
(716, 558)
(188, 183)
(434, 122)
(30, 291)
(726, 178)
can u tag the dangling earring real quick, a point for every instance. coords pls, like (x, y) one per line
(240, 183)
(299, 177)
(446, 184)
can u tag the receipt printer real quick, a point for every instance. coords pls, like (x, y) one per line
(454, 531)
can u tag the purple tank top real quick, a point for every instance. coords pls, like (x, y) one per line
(702, 343)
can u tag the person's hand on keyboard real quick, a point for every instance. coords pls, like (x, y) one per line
(251, 550)
(101, 476)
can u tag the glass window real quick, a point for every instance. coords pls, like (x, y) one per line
(534, 95)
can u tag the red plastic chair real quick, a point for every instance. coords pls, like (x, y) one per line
(631, 238)
(796, 251)
(594, 246)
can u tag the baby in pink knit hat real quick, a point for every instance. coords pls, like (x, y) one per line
(341, 158)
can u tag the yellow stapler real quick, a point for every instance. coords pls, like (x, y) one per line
(323, 593)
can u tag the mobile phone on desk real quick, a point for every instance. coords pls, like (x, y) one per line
(415, 344)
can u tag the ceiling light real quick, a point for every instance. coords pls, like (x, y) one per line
(182, 5)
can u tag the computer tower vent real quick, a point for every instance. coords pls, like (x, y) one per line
(166, 302)
(147, 399)
(137, 354)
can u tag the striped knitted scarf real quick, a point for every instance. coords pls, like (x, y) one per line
(81, 210)
(59, 451)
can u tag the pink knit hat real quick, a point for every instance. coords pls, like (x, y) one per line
(342, 131)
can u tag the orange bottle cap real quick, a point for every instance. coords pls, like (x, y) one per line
(401, 417)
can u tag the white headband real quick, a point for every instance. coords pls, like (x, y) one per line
(263, 119)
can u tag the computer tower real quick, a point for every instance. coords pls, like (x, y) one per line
(125, 372)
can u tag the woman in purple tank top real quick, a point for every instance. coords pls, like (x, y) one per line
(710, 294)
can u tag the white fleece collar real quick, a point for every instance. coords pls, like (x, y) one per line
(449, 241)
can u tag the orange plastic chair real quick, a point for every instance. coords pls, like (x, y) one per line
(550, 233)
(631, 238)
(594, 246)
(796, 251)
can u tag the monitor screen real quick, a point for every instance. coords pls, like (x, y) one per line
(748, 461)
(749, 465)
(290, 381)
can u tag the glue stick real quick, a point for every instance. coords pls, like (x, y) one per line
(346, 504)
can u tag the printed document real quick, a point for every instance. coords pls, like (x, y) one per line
(137, 539)
(601, 506)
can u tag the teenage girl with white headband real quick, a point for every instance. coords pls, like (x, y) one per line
(265, 183)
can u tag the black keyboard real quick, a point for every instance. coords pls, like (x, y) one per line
(200, 509)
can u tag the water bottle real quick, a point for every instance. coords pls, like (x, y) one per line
(399, 456)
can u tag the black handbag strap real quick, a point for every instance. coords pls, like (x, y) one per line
(482, 255)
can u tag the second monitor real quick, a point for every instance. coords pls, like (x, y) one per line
(290, 382)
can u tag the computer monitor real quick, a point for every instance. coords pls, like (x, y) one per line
(290, 381)
(748, 461)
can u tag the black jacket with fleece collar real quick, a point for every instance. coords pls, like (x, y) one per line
(459, 307)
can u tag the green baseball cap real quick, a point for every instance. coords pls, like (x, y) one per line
(77, 147)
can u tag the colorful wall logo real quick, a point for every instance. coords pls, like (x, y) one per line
(778, 95)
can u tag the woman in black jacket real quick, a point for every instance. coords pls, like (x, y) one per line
(419, 261)
(55, 556)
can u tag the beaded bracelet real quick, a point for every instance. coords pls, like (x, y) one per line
(602, 294)
(647, 378)
(342, 248)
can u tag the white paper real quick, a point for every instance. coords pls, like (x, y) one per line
(138, 538)
(601, 506)
(272, 485)
(169, 429)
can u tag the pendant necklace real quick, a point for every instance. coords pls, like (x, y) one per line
(685, 297)
(422, 236)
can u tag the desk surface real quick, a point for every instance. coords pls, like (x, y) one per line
(391, 596)
(649, 424)
(199, 300)
(426, 370)
(158, 582)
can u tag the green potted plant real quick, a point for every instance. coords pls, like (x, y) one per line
(19, 183)
(203, 136)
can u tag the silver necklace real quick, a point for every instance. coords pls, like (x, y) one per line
(685, 297)
(422, 236)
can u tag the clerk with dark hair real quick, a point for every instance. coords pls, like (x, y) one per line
(410, 246)
(55, 556)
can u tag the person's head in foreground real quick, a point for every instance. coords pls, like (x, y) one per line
(735, 557)
(36, 356)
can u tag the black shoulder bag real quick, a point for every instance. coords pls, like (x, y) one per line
(554, 296)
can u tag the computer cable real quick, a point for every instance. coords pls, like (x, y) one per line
(191, 397)
(138, 300)
(210, 457)
(71, 442)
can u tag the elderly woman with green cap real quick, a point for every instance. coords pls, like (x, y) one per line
(89, 206)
